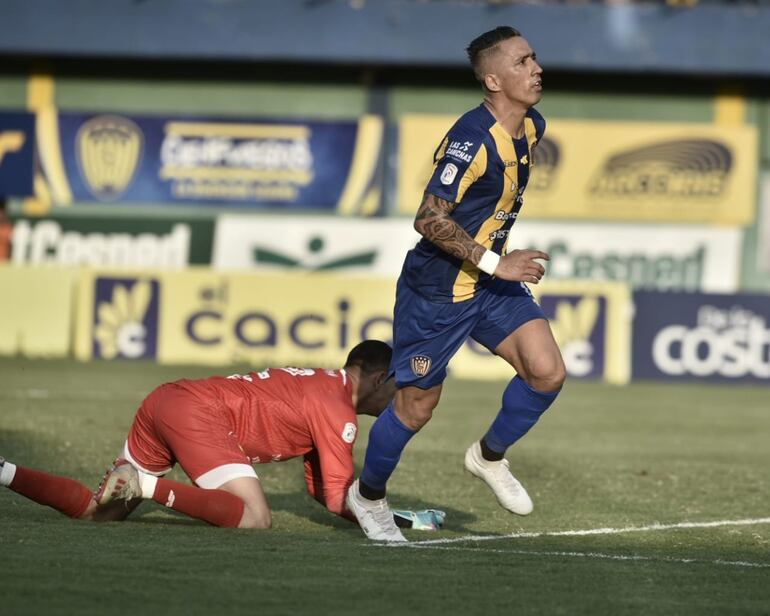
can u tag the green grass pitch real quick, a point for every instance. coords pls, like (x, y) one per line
(603, 457)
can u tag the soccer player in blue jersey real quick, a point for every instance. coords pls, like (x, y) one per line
(461, 281)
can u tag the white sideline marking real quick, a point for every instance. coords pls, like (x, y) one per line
(442, 544)
(627, 557)
(584, 533)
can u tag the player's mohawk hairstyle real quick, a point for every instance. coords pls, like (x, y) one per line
(485, 42)
(370, 356)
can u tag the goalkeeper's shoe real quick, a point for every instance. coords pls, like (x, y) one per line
(509, 492)
(120, 482)
(429, 519)
(374, 516)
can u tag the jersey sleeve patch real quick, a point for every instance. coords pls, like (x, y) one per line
(349, 432)
(449, 174)
(460, 161)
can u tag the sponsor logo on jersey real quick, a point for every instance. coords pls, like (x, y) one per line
(109, 149)
(503, 215)
(349, 432)
(497, 234)
(690, 168)
(459, 150)
(449, 174)
(420, 364)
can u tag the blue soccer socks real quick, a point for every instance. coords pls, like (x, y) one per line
(522, 407)
(387, 440)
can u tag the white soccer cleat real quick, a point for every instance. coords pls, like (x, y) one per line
(509, 492)
(374, 516)
(120, 482)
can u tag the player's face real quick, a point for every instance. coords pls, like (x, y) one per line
(519, 76)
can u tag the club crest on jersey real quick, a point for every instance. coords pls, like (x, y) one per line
(448, 174)
(421, 364)
(349, 432)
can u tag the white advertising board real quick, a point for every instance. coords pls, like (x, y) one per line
(647, 256)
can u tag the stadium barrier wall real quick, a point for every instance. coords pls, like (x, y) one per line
(652, 257)
(661, 257)
(36, 311)
(202, 316)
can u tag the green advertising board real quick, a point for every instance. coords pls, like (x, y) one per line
(111, 241)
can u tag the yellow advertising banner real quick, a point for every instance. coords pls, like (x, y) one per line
(205, 317)
(36, 310)
(640, 171)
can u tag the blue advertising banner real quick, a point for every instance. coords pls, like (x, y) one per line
(17, 148)
(324, 165)
(683, 336)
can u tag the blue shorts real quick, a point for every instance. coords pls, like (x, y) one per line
(427, 334)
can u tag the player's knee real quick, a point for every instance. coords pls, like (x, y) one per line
(548, 375)
(414, 407)
(256, 519)
(416, 414)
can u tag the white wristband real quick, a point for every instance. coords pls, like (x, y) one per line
(488, 262)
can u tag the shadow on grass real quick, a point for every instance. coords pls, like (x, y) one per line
(303, 506)
(53, 455)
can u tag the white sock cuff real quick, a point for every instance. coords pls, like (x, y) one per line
(7, 473)
(148, 484)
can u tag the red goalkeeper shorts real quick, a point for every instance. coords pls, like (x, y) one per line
(174, 425)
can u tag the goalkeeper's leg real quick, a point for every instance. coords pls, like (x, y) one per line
(228, 496)
(238, 503)
(66, 495)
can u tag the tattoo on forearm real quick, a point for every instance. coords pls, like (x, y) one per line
(434, 223)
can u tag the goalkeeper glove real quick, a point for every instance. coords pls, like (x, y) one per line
(429, 519)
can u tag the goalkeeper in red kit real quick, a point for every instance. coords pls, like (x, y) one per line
(217, 428)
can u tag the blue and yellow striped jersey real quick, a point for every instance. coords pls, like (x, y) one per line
(482, 169)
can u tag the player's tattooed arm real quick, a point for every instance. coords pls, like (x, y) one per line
(434, 223)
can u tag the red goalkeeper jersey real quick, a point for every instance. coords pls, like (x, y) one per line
(283, 413)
